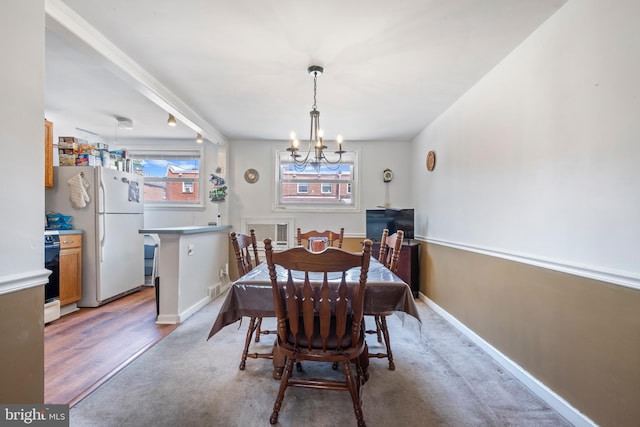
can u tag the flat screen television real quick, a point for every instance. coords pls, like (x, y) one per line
(393, 219)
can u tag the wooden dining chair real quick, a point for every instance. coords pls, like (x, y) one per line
(390, 248)
(320, 322)
(333, 238)
(243, 246)
(389, 255)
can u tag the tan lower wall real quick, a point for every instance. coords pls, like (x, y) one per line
(580, 337)
(22, 354)
(352, 244)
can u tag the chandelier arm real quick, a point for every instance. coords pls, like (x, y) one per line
(336, 162)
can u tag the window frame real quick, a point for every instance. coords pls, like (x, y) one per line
(352, 156)
(299, 188)
(322, 186)
(187, 187)
(196, 153)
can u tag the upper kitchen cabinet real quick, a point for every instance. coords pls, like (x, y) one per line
(48, 154)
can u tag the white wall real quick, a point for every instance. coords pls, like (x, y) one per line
(22, 138)
(540, 158)
(257, 200)
(214, 156)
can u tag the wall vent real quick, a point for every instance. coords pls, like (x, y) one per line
(279, 230)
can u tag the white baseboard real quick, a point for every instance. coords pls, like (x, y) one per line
(563, 407)
(194, 308)
(167, 319)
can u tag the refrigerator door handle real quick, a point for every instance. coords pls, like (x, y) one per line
(101, 215)
(102, 238)
(103, 194)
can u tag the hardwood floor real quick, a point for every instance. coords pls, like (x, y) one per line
(84, 349)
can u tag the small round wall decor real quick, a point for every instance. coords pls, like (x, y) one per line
(431, 160)
(251, 176)
(387, 175)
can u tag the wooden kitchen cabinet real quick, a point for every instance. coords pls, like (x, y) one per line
(70, 268)
(48, 154)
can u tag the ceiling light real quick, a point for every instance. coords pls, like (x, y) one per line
(124, 123)
(171, 121)
(199, 139)
(316, 138)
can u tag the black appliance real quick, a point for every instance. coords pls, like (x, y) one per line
(52, 262)
(393, 219)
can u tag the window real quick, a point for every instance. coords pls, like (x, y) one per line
(313, 188)
(171, 177)
(187, 187)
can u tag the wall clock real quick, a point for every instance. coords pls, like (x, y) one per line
(251, 176)
(431, 160)
(387, 175)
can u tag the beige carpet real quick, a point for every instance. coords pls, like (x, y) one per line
(441, 379)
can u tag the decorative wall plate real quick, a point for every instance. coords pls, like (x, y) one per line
(251, 176)
(431, 160)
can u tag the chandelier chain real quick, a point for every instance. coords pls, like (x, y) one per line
(315, 83)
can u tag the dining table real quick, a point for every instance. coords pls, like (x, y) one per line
(251, 296)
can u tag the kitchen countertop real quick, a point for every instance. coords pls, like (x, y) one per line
(190, 229)
(49, 232)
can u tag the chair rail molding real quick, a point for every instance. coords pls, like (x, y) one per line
(615, 277)
(18, 282)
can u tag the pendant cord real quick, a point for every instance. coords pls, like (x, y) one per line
(315, 82)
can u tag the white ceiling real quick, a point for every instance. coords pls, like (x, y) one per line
(240, 66)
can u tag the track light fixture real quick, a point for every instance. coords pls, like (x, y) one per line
(171, 121)
(199, 138)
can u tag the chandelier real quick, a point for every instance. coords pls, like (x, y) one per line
(315, 155)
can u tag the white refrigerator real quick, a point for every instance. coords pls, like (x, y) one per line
(113, 249)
